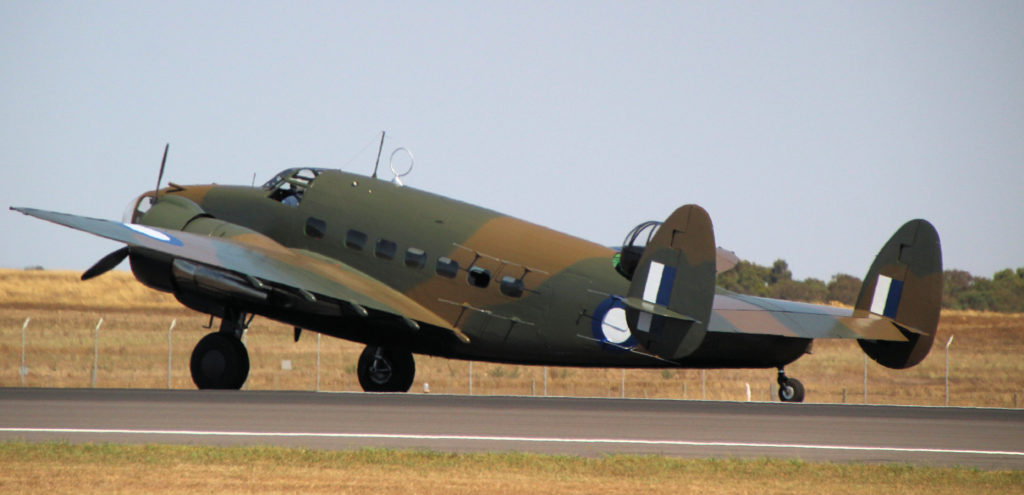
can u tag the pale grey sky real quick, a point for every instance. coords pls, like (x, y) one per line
(809, 130)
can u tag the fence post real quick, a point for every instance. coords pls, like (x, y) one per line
(170, 350)
(318, 362)
(703, 388)
(23, 370)
(471, 378)
(948, 342)
(623, 387)
(96, 351)
(865, 378)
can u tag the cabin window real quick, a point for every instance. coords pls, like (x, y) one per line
(511, 286)
(316, 228)
(447, 267)
(479, 277)
(415, 258)
(385, 249)
(355, 239)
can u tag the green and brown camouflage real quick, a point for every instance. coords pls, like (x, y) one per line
(391, 266)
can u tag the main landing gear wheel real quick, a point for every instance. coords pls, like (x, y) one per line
(385, 370)
(219, 361)
(790, 389)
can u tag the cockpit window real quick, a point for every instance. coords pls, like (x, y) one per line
(289, 186)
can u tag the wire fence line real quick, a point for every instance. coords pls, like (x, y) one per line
(124, 357)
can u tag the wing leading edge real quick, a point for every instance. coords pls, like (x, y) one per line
(259, 261)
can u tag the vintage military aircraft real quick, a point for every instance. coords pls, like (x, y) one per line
(406, 271)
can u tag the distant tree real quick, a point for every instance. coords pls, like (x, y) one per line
(810, 290)
(978, 296)
(780, 271)
(1004, 292)
(817, 290)
(954, 283)
(844, 289)
(1008, 290)
(777, 281)
(746, 278)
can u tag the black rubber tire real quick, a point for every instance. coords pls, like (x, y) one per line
(791, 391)
(392, 372)
(219, 361)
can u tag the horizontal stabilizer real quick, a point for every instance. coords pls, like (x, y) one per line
(653, 308)
(737, 313)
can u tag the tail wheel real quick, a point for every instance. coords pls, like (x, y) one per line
(791, 390)
(219, 361)
(385, 370)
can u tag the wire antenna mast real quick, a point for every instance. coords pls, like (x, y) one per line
(379, 150)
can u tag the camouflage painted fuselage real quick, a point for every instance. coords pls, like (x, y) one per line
(520, 292)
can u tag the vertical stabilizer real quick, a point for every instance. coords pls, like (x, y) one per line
(670, 297)
(904, 284)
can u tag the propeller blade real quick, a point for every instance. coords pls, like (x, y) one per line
(160, 178)
(106, 263)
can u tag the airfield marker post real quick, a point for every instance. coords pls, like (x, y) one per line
(948, 342)
(865, 378)
(623, 388)
(23, 370)
(96, 351)
(471, 378)
(318, 362)
(170, 350)
(545, 381)
(703, 387)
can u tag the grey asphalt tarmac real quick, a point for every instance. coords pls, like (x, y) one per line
(985, 438)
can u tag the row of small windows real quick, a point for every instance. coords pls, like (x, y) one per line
(417, 258)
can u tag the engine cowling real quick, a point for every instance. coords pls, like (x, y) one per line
(200, 287)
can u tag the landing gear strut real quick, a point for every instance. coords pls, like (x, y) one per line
(220, 360)
(385, 370)
(790, 389)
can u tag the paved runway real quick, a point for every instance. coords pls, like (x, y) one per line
(986, 438)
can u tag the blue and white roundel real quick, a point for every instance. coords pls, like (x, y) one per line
(154, 234)
(609, 325)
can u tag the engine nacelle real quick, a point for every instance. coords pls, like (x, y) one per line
(172, 212)
(205, 289)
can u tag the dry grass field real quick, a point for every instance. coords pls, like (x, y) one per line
(986, 368)
(65, 468)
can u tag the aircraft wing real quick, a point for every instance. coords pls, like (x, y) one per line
(260, 260)
(736, 313)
